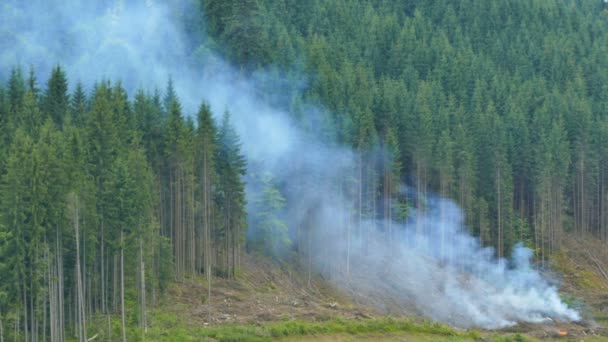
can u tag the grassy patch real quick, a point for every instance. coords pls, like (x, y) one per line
(580, 276)
(169, 329)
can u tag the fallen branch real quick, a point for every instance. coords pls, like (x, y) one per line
(597, 264)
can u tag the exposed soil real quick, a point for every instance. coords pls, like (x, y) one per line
(263, 292)
(267, 292)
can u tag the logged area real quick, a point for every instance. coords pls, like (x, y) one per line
(263, 292)
(272, 301)
(249, 170)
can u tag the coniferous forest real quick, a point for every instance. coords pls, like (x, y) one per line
(108, 195)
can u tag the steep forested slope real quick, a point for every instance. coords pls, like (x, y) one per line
(498, 105)
(106, 198)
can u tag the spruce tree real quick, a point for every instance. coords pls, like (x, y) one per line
(56, 99)
(231, 167)
(78, 105)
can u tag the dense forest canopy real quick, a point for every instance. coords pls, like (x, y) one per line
(110, 193)
(498, 105)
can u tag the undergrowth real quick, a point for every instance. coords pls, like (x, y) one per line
(246, 333)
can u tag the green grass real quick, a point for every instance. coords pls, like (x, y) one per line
(169, 329)
(167, 326)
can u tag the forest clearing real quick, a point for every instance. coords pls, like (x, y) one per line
(250, 170)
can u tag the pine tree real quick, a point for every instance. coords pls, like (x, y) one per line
(5, 134)
(16, 199)
(30, 117)
(175, 158)
(56, 99)
(78, 105)
(206, 145)
(32, 83)
(16, 91)
(271, 232)
(102, 147)
(231, 167)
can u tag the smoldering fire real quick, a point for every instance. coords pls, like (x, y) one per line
(440, 270)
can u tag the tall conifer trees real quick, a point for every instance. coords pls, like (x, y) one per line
(82, 182)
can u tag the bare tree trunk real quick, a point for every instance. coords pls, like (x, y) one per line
(52, 313)
(1, 332)
(309, 230)
(208, 274)
(25, 320)
(59, 289)
(44, 312)
(420, 192)
(360, 193)
(103, 278)
(115, 281)
(122, 287)
(348, 241)
(499, 206)
(193, 243)
(172, 207)
(81, 318)
(143, 287)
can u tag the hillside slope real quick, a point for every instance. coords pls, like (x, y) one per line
(267, 295)
(263, 292)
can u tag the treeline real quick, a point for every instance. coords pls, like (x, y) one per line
(105, 200)
(500, 105)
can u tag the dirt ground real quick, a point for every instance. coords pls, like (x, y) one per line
(263, 292)
(266, 292)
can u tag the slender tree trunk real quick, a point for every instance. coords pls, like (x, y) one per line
(52, 312)
(57, 291)
(25, 317)
(32, 313)
(499, 206)
(309, 230)
(44, 318)
(372, 196)
(348, 241)
(115, 281)
(172, 207)
(82, 330)
(360, 193)
(122, 287)
(420, 179)
(208, 274)
(103, 279)
(194, 243)
(143, 287)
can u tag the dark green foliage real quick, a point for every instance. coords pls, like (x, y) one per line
(500, 105)
(88, 180)
(230, 195)
(474, 90)
(78, 105)
(270, 232)
(16, 90)
(240, 24)
(32, 83)
(56, 100)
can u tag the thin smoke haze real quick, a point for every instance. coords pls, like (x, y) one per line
(440, 270)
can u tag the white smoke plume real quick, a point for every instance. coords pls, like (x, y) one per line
(440, 270)
(451, 278)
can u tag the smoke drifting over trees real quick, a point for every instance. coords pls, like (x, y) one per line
(140, 177)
